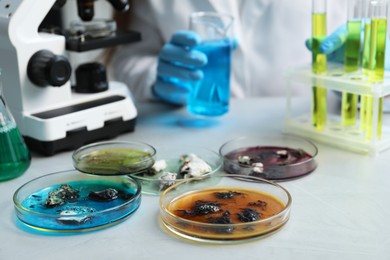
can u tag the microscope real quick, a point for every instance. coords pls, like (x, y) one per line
(51, 113)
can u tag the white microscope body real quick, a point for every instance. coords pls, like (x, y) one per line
(52, 117)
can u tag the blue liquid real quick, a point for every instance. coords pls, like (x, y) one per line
(210, 97)
(90, 213)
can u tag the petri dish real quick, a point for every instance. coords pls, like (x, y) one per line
(235, 209)
(272, 157)
(70, 201)
(175, 164)
(114, 158)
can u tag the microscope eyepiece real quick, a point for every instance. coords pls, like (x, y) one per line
(85, 9)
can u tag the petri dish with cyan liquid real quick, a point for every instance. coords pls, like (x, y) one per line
(72, 202)
(273, 157)
(98, 193)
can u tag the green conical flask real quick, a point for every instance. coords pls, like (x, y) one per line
(14, 156)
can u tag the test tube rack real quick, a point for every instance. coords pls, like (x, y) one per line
(336, 80)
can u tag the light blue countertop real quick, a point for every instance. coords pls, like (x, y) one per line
(340, 211)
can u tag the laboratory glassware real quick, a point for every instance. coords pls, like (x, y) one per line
(376, 65)
(349, 103)
(210, 96)
(14, 156)
(319, 63)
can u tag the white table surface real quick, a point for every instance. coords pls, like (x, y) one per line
(340, 211)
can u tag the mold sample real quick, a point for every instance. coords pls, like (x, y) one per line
(75, 215)
(167, 179)
(158, 166)
(224, 220)
(248, 215)
(202, 207)
(261, 204)
(105, 195)
(269, 162)
(227, 195)
(193, 166)
(57, 197)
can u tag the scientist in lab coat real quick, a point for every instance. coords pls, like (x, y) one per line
(271, 38)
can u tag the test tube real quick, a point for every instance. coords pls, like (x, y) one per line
(378, 14)
(365, 62)
(319, 61)
(376, 64)
(349, 101)
(367, 36)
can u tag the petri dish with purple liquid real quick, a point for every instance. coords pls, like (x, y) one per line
(275, 157)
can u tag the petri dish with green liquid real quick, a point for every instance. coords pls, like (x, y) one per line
(114, 158)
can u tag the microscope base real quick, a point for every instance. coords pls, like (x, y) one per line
(83, 119)
(78, 138)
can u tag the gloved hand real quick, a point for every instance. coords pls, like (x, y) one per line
(179, 65)
(334, 46)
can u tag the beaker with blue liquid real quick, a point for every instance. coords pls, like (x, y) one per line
(210, 96)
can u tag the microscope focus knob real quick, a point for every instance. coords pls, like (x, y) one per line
(47, 69)
(91, 78)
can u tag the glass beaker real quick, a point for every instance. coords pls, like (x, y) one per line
(210, 96)
(14, 156)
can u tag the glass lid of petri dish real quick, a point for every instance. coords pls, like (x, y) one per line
(114, 158)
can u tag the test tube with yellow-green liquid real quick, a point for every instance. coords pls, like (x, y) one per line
(319, 110)
(366, 36)
(365, 62)
(376, 64)
(349, 105)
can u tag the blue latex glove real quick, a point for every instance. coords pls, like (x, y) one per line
(179, 65)
(334, 46)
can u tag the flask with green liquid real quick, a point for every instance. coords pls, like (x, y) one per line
(14, 156)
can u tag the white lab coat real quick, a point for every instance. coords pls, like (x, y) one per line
(271, 35)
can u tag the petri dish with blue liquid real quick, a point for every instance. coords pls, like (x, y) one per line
(98, 193)
(71, 201)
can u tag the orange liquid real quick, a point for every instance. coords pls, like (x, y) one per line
(237, 228)
(235, 205)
